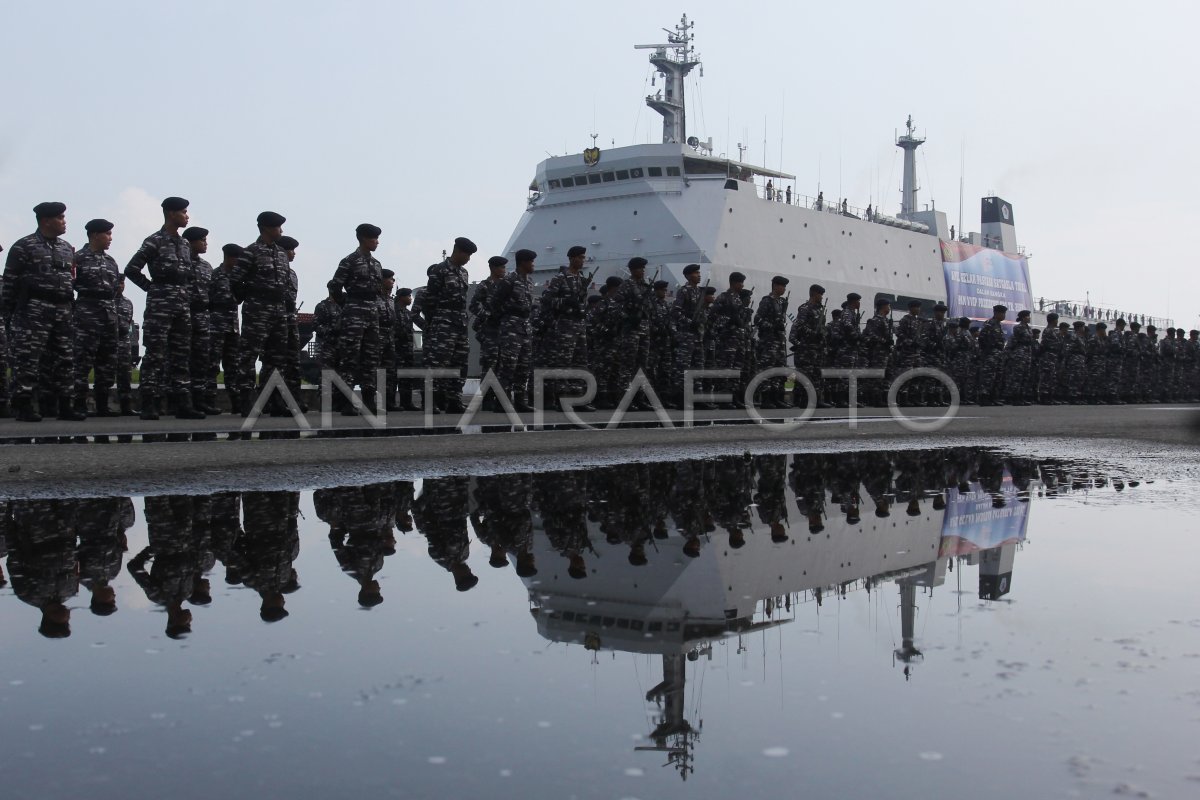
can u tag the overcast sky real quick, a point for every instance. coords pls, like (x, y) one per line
(429, 119)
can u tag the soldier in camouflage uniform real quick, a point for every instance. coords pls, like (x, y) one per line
(41, 561)
(128, 352)
(178, 556)
(603, 323)
(878, 340)
(1147, 365)
(566, 300)
(327, 321)
(770, 323)
(291, 353)
(96, 279)
(991, 358)
(745, 352)
(659, 355)
(484, 322)
(356, 285)
(560, 497)
(1050, 355)
(167, 324)
(5, 411)
(204, 386)
(845, 341)
(686, 335)
(444, 308)
(361, 532)
(37, 305)
(101, 525)
(961, 351)
(1096, 390)
(1073, 377)
(387, 337)
(512, 304)
(1131, 362)
(1019, 352)
(908, 353)
(266, 553)
(1192, 389)
(633, 301)
(223, 326)
(807, 341)
(503, 522)
(1166, 367)
(441, 516)
(933, 354)
(729, 341)
(260, 281)
(405, 357)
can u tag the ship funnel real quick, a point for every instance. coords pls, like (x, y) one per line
(673, 60)
(908, 191)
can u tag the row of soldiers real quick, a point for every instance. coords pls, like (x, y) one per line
(54, 547)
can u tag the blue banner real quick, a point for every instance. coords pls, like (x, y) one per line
(973, 522)
(978, 278)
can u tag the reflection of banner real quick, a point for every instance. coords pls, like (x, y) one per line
(972, 524)
(978, 278)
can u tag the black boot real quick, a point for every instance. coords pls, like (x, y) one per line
(521, 403)
(200, 403)
(47, 405)
(68, 411)
(149, 406)
(5, 413)
(127, 407)
(102, 409)
(184, 409)
(25, 410)
(452, 402)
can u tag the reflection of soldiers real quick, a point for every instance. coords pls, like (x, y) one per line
(361, 520)
(176, 574)
(559, 497)
(772, 478)
(225, 528)
(268, 548)
(441, 516)
(42, 565)
(688, 505)
(101, 526)
(502, 520)
(733, 492)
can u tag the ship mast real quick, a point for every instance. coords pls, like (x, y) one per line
(908, 192)
(674, 60)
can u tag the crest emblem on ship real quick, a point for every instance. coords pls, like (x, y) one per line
(591, 156)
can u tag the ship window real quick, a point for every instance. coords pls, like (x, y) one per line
(622, 174)
(673, 172)
(594, 177)
(926, 304)
(655, 172)
(554, 184)
(891, 298)
(608, 176)
(636, 172)
(566, 182)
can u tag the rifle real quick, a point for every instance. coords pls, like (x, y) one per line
(657, 270)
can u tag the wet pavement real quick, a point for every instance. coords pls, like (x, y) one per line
(949, 621)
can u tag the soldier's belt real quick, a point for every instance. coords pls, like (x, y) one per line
(48, 295)
(267, 294)
(169, 280)
(96, 295)
(362, 294)
(199, 306)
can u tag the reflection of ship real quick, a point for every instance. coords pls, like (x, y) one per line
(678, 607)
(678, 202)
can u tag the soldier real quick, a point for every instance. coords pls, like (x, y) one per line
(512, 304)
(770, 322)
(223, 327)
(603, 323)
(204, 386)
(807, 341)
(404, 347)
(1050, 355)
(291, 361)
(1096, 388)
(991, 358)
(502, 520)
(565, 300)
(659, 354)
(484, 322)
(908, 352)
(726, 330)
(744, 360)
(5, 412)
(633, 303)
(1019, 350)
(1130, 366)
(1074, 371)
(961, 350)
(178, 559)
(444, 307)
(361, 532)
(327, 321)
(96, 279)
(42, 561)
(1147, 365)
(933, 353)
(387, 337)
(260, 281)
(441, 515)
(878, 340)
(689, 353)
(266, 554)
(167, 322)
(1192, 387)
(359, 275)
(101, 524)
(847, 337)
(37, 305)
(128, 335)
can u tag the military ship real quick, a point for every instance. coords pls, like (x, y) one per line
(678, 203)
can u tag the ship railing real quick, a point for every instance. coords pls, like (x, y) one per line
(842, 207)
(1099, 312)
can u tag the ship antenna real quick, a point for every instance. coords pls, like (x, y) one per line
(908, 193)
(673, 60)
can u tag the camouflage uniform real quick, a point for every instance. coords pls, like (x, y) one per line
(770, 322)
(1166, 369)
(445, 345)
(991, 362)
(566, 299)
(269, 547)
(878, 340)
(1114, 357)
(101, 527)
(128, 336)
(441, 516)
(41, 560)
(632, 300)
(359, 345)
(659, 355)
(167, 323)
(512, 304)
(223, 332)
(403, 341)
(961, 350)
(1050, 355)
(1130, 365)
(260, 278)
(1074, 372)
(1019, 350)
(387, 347)
(96, 280)
(204, 381)
(37, 305)
(177, 552)
(327, 320)
(686, 333)
(502, 519)
(485, 323)
(1147, 367)
(729, 350)
(361, 523)
(933, 354)
(291, 353)
(908, 355)
(807, 341)
(603, 323)
(1097, 366)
